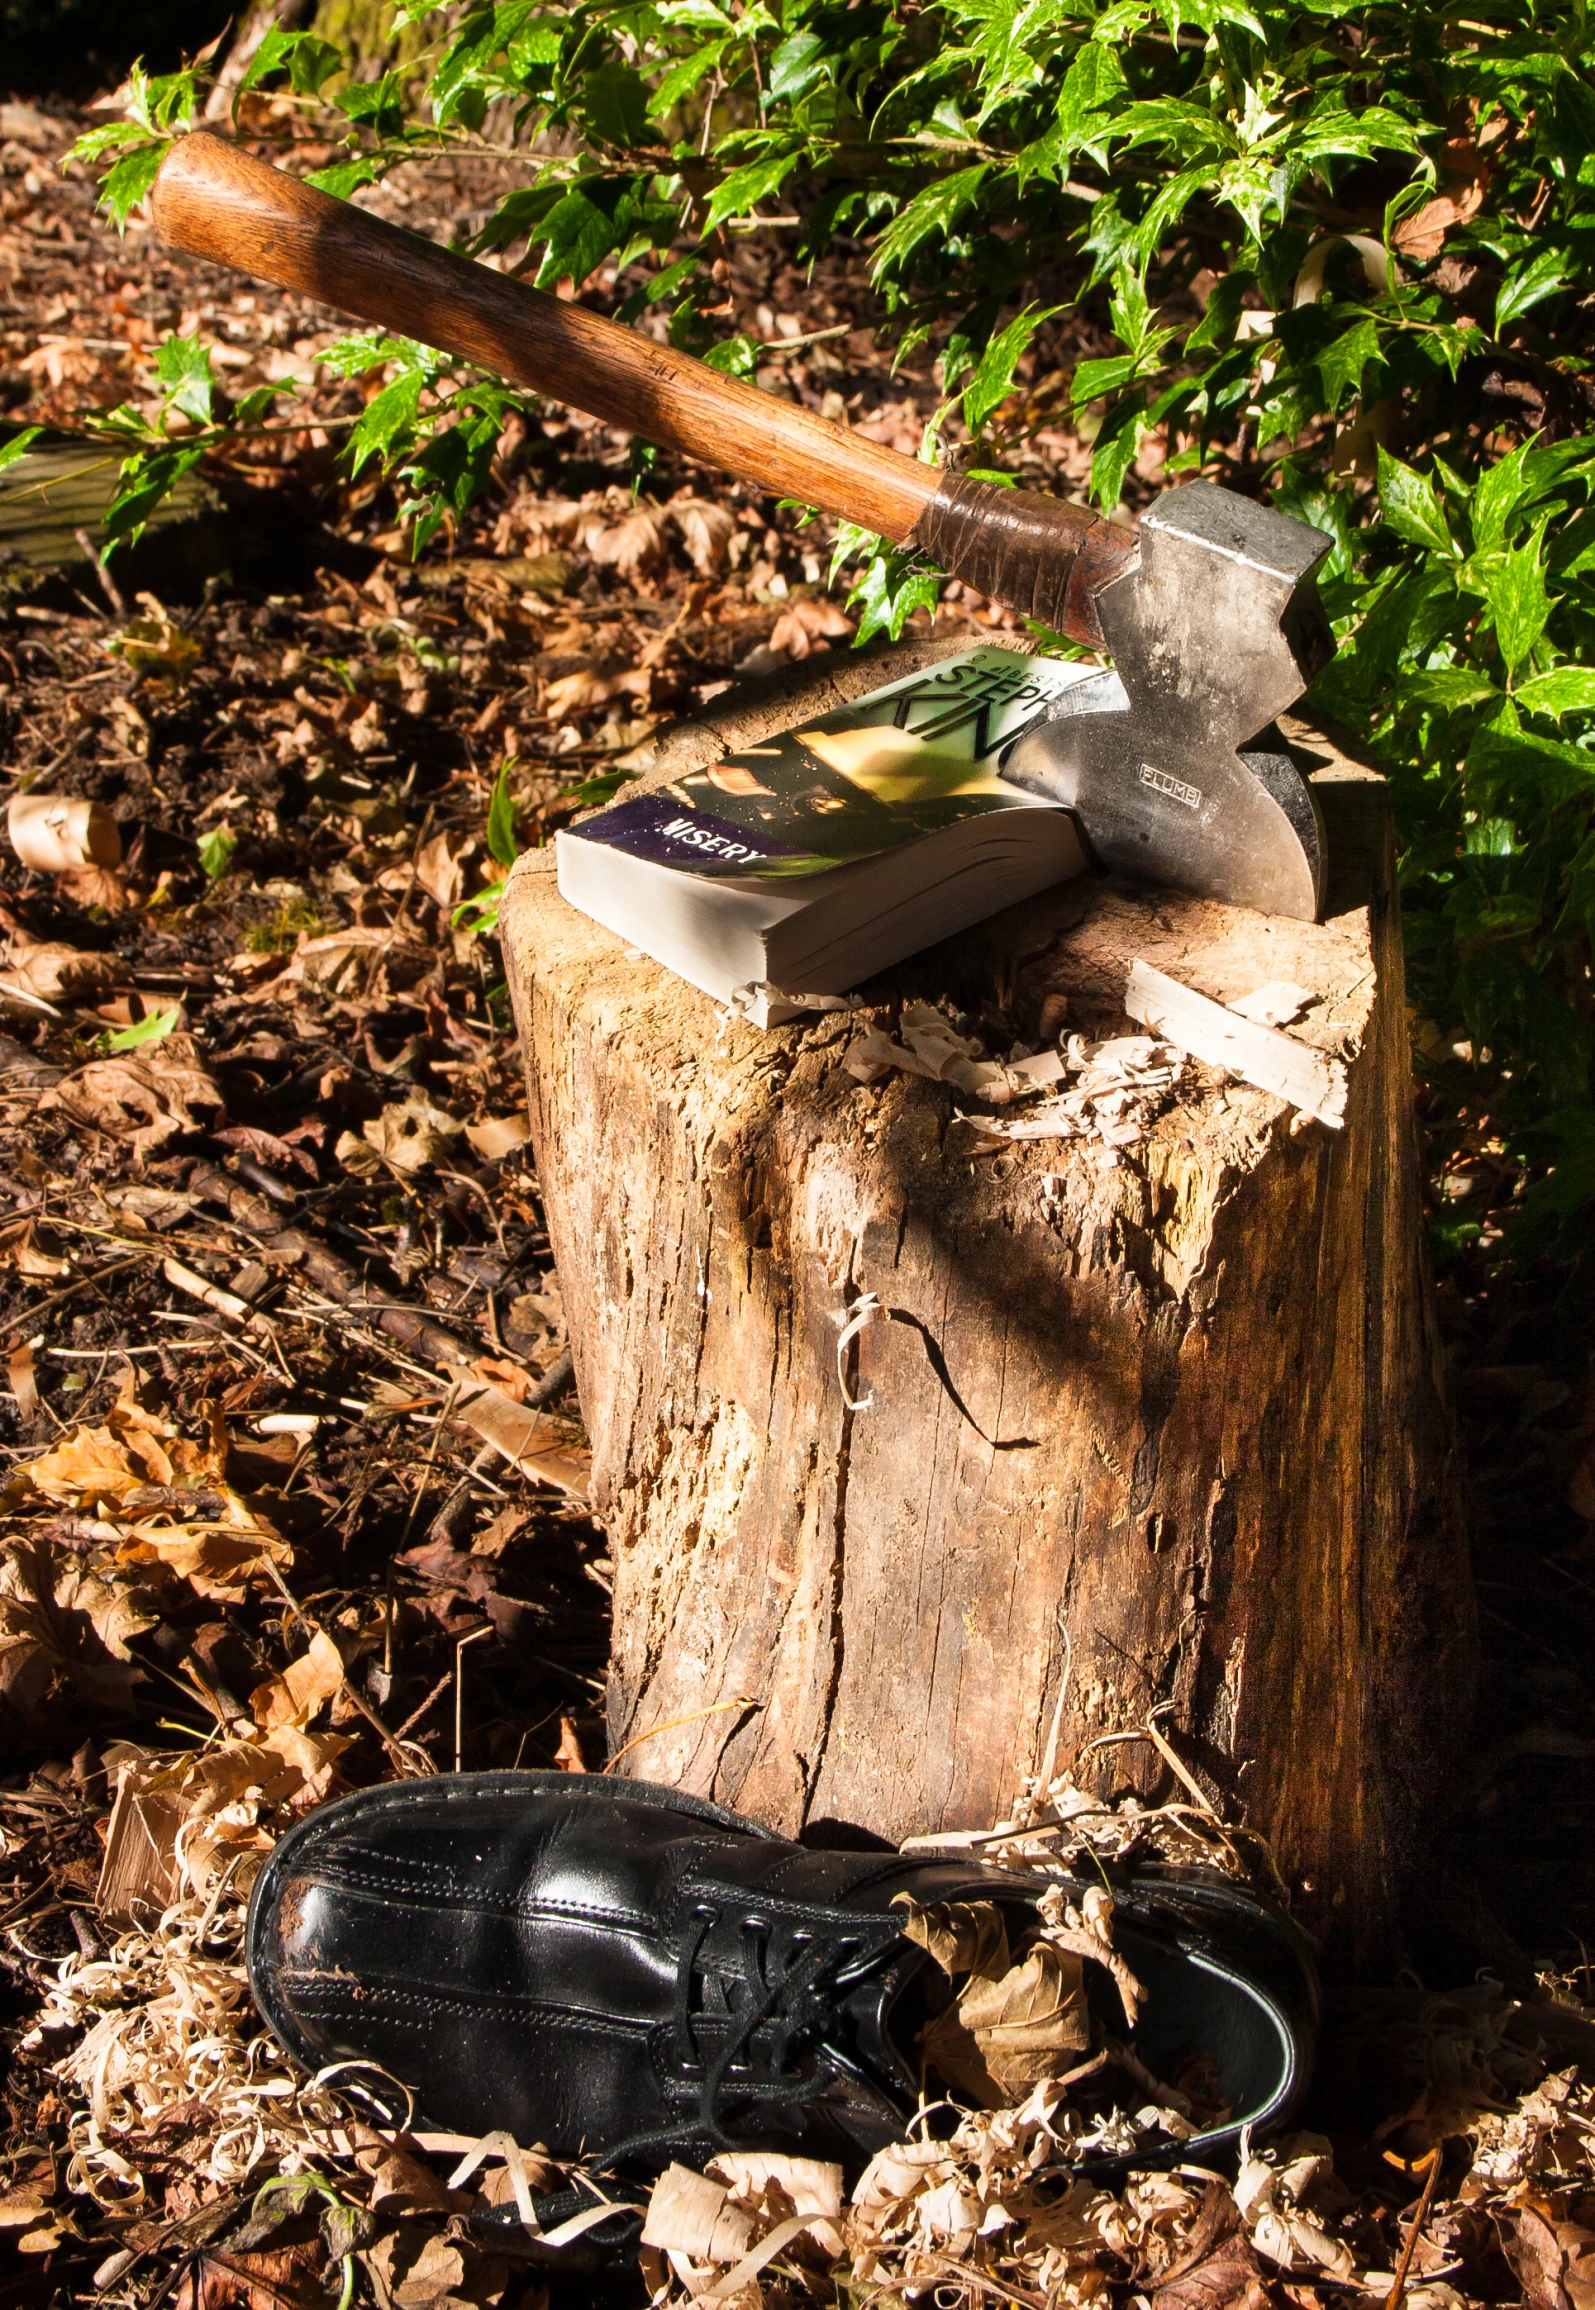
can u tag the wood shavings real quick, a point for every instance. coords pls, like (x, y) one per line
(1271, 2195)
(865, 1310)
(1311, 1081)
(690, 2215)
(1112, 1088)
(160, 2024)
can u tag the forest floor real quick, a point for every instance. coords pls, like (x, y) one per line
(278, 1315)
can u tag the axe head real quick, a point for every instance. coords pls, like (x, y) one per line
(1169, 761)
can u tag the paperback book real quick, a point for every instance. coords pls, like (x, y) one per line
(791, 871)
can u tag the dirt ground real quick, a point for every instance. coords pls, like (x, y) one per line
(266, 1200)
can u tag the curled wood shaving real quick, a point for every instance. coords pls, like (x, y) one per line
(162, 2025)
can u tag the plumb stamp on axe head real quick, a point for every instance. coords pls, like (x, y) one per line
(1170, 762)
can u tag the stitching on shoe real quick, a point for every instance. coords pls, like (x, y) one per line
(457, 1892)
(750, 1900)
(322, 2001)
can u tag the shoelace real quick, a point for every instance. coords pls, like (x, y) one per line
(782, 1983)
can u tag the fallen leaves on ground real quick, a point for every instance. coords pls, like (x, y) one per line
(151, 1497)
(150, 1099)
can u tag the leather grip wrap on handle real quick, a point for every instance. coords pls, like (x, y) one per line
(218, 202)
(1041, 555)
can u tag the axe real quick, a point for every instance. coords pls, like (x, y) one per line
(1169, 762)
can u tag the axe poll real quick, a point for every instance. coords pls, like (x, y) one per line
(1209, 609)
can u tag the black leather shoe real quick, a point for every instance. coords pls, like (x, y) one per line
(627, 1974)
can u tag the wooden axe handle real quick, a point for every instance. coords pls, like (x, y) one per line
(1041, 554)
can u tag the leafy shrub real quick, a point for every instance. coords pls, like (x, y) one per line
(1333, 255)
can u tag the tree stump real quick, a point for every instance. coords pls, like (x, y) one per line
(1167, 1429)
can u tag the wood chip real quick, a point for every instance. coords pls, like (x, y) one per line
(536, 1444)
(139, 1877)
(1274, 1005)
(19, 1370)
(57, 833)
(1310, 1081)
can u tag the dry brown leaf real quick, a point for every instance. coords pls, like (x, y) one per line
(440, 867)
(19, 1252)
(1034, 2013)
(412, 1135)
(632, 546)
(155, 645)
(367, 732)
(588, 687)
(540, 1446)
(1230, 2278)
(1553, 2261)
(57, 973)
(706, 529)
(22, 2210)
(1003, 2036)
(1465, 165)
(400, 2183)
(94, 1469)
(1423, 236)
(60, 1624)
(962, 1936)
(229, 1786)
(261, 2278)
(302, 1690)
(147, 1098)
(168, 1494)
(217, 1561)
(808, 621)
(514, 1379)
(93, 886)
(414, 2273)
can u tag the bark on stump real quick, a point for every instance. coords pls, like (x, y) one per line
(1206, 1459)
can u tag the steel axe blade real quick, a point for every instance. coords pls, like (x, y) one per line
(1170, 762)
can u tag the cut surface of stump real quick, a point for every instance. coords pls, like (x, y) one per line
(1157, 1423)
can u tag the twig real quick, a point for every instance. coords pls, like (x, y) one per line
(403, 1758)
(390, 1600)
(1151, 1732)
(695, 1716)
(1393, 2298)
(416, 1714)
(108, 585)
(459, 1687)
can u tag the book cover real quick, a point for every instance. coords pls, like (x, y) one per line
(921, 754)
